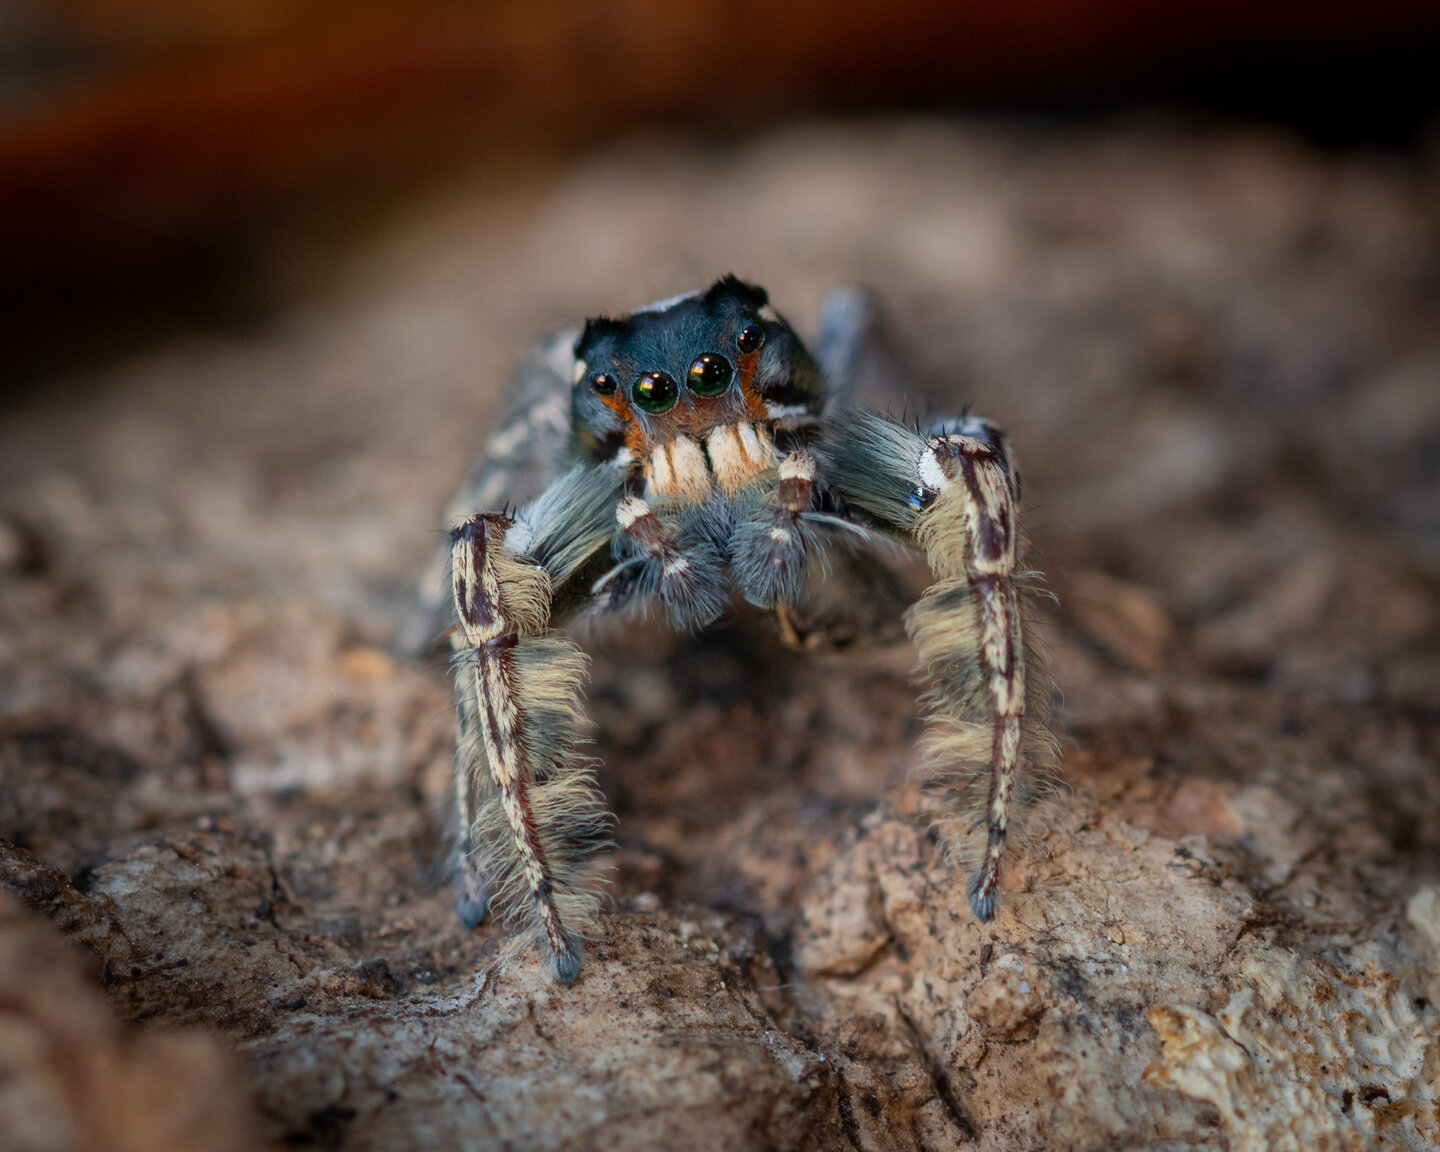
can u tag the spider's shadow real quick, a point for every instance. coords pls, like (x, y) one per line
(716, 754)
(655, 696)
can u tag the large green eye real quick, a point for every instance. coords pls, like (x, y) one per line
(655, 392)
(710, 375)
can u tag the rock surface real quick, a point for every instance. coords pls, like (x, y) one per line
(1218, 358)
(71, 1077)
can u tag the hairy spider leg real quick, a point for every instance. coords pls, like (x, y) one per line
(472, 782)
(530, 810)
(954, 494)
(774, 535)
(848, 327)
(674, 560)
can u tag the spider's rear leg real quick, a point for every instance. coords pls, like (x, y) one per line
(856, 349)
(956, 495)
(521, 459)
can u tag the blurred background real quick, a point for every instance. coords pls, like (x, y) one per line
(173, 164)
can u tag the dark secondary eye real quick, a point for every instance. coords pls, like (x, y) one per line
(602, 382)
(710, 374)
(750, 338)
(655, 392)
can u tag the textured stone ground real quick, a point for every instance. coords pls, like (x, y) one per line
(1220, 361)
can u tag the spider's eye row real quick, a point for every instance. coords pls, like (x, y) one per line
(710, 374)
(750, 338)
(655, 392)
(603, 383)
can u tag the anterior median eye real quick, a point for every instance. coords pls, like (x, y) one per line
(710, 374)
(655, 392)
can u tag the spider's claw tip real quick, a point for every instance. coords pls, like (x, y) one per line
(472, 903)
(984, 898)
(565, 966)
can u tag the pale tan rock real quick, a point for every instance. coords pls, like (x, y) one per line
(1423, 912)
(844, 928)
(1006, 1002)
(1306, 1056)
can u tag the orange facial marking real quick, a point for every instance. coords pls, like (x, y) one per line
(745, 366)
(618, 403)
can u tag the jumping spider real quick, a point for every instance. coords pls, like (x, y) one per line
(665, 460)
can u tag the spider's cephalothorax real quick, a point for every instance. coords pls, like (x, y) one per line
(671, 458)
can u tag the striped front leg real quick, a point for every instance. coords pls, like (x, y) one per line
(956, 495)
(530, 801)
(972, 621)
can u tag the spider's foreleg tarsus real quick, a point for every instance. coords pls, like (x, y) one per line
(529, 807)
(680, 569)
(774, 540)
